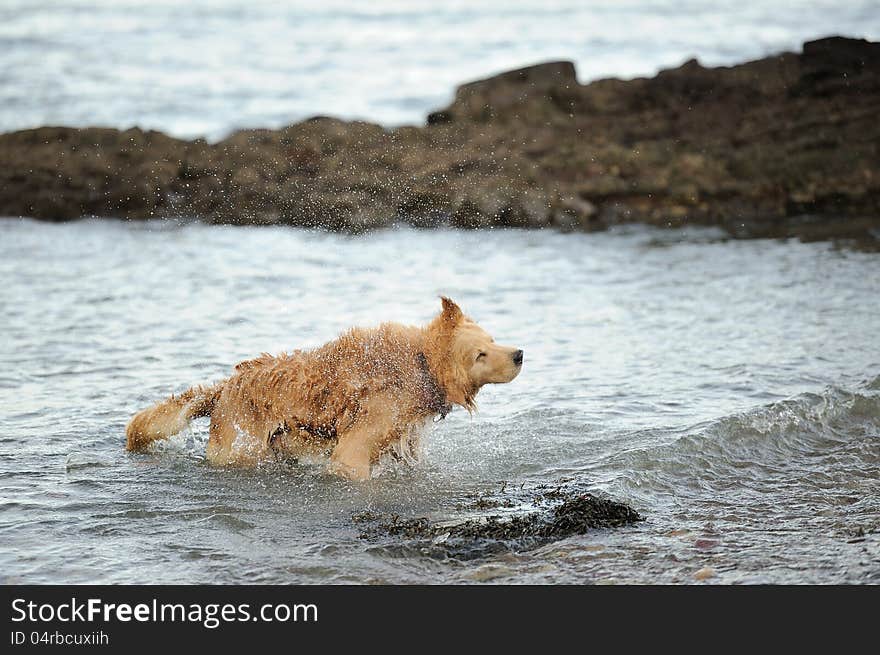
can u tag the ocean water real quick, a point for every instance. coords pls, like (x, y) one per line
(728, 390)
(207, 67)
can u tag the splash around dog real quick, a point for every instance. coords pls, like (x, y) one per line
(368, 393)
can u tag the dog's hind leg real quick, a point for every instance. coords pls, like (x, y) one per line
(234, 444)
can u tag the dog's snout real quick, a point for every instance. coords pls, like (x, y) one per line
(518, 357)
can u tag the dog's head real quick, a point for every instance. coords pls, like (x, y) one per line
(470, 357)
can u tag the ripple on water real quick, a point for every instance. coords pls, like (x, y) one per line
(725, 389)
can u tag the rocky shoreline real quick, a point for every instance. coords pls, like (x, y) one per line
(784, 146)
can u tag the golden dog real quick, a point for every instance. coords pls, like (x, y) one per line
(365, 394)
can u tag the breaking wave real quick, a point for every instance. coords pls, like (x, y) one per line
(827, 441)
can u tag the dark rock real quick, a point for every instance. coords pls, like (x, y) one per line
(498, 97)
(557, 514)
(783, 146)
(439, 117)
(838, 65)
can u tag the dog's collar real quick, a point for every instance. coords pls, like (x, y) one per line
(435, 396)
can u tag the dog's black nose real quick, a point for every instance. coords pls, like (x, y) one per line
(518, 357)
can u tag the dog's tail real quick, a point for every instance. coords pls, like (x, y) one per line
(167, 418)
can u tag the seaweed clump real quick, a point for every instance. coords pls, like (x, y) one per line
(560, 514)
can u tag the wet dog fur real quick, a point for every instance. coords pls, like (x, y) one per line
(367, 393)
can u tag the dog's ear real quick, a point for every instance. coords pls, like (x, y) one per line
(451, 313)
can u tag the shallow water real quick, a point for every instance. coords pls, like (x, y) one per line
(729, 390)
(206, 67)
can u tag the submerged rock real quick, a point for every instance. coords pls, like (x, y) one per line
(784, 146)
(558, 514)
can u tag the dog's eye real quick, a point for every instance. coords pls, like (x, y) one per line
(480, 356)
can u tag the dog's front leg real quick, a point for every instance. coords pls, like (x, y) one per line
(362, 444)
(352, 456)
